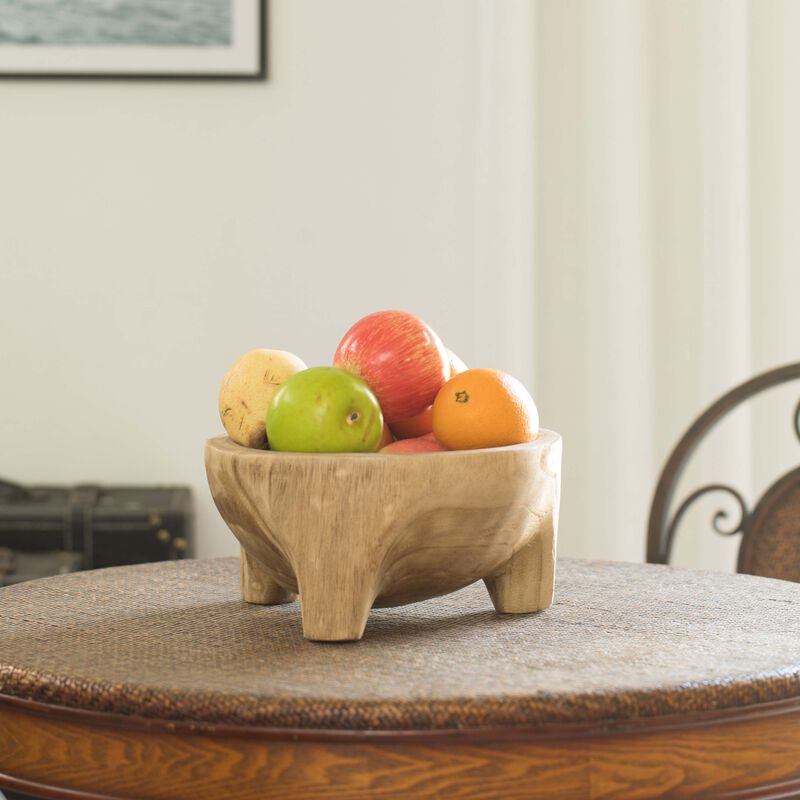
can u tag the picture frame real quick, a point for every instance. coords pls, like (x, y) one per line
(160, 40)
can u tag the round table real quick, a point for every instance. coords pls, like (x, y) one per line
(156, 681)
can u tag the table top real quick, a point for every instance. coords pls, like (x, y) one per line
(622, 642)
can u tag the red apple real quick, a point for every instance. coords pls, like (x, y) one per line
(422, 423)
(456, 364)
(421, 444)
(401, 359)
(418, 425)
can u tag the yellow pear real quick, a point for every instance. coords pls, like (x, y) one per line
(246, 391)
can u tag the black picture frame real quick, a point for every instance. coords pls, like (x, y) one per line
(261, 72)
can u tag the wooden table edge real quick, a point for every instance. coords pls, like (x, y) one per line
(544, 731)
(745, 753)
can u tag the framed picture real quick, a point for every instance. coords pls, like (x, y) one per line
(133, 39)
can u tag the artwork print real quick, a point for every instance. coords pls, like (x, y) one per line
(135, 38)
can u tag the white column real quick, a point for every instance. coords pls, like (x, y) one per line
(560, 313)
(503, 281)
(701, 306)
(724, 345)
(775, 233)
(619, 287)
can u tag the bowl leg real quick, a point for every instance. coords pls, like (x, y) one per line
(257, 586)
(335, 603)
(526, 582)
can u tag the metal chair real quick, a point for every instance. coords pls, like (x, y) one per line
(770, 532)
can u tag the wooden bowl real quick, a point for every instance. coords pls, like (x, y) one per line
(350, 531)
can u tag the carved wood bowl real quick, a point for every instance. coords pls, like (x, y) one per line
(350, 531)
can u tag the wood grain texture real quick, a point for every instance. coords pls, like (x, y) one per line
(257, 585)
(352, 531)
(747, 755)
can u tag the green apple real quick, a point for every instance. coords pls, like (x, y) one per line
(324, 410)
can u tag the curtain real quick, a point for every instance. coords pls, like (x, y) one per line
(665, 190)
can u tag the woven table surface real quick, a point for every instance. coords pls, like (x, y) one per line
(622, 641)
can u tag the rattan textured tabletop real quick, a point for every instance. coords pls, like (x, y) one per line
(156, 681)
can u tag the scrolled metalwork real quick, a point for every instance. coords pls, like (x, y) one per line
(661, 526)
(720, 515)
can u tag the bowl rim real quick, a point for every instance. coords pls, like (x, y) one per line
(224, 443)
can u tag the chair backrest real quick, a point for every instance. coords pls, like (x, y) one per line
(770, 532)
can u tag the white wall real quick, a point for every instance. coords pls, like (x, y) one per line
(151, 232)
(600, 198)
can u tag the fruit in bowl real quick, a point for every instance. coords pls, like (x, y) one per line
(422, 423)
(469, 490)
(247, 389)
(400, 357)
(484, 408)
(324, 410)
(428, 443)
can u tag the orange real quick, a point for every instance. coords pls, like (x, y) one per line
(415, 426)
(484, 408)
